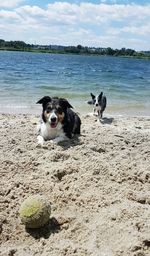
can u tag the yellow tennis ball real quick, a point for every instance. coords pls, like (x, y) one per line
(35, 211)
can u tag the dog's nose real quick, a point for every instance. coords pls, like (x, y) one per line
(53, 119)
(96, 105)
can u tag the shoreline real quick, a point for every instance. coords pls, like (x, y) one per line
(83, 115)
(136, 55)
(82, 109)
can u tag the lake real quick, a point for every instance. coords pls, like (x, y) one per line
(25, 77)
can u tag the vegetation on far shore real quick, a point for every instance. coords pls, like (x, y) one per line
(79, 49)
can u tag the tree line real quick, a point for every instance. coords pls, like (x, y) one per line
(14, 44)
(79, 49)
(99, 50)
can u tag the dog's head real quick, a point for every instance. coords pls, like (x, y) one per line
(54, 110)
(96, 100)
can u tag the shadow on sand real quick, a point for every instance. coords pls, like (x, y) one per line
(51, 227)
(107, 120)
(75, 141)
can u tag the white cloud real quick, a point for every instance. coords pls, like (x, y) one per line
(30, 10)
(142, 30)
(8, 15)
(71, 24)
(10, 3)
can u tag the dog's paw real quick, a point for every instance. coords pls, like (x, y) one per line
(58, 139)
(52, 142)
(40, 141)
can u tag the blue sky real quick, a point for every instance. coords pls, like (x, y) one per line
(105, 23)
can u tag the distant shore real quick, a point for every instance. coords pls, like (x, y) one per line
(135, 55)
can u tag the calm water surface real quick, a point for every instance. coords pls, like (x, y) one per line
(26, 77)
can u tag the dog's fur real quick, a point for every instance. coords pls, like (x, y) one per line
(59, 122)
(99, 103)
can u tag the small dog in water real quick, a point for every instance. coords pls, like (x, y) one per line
(59, 122)
(99, 103)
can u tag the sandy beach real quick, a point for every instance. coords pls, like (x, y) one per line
(98, 186)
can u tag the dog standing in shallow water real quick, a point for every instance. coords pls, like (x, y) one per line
(59, 121)
(99, 103)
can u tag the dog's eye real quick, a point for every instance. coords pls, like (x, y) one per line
(48, 111)
(59, 110)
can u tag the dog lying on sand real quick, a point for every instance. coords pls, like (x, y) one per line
(59, 122)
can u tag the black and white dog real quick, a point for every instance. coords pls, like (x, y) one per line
(99, 103)
(59, 122)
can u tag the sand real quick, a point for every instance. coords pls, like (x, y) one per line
(98, 186)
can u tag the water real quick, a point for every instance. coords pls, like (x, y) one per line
(26, 77)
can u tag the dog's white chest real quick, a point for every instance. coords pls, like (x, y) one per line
(49, 133)
(97, 108)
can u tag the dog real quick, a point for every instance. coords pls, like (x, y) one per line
(99, 103)
(59, 122)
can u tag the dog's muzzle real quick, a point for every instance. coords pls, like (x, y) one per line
(53, 120)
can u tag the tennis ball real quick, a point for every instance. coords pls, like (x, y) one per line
(35, 211)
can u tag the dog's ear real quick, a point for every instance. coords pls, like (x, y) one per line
(90, 102)
(93, 96)
(64, 103)
(44, 100)
(100, 96)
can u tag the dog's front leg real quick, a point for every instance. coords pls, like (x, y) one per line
(59, 139)
(94, 110)
(40, 140)
(101, 114)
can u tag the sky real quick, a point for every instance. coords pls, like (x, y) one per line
(92, 23)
